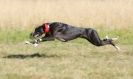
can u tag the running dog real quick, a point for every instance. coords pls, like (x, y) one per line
(64, 32)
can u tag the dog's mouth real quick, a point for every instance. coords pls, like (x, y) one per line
(34, 35)
(35, 39)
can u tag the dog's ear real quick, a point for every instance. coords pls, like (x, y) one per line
(39, 30)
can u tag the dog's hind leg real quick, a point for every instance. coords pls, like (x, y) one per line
(92, 36)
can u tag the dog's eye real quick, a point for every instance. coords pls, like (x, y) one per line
(37, 32)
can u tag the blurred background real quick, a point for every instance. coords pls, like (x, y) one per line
(112, 17)
(77, 59)
(25, 14)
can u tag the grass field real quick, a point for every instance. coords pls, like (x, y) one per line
(76, 59)
(72, 60)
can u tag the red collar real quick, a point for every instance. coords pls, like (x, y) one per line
(46, 27)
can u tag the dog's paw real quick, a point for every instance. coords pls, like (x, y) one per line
(28, 42)
(118, 48)
(35, 45)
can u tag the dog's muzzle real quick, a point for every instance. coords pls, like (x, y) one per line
(34, 35)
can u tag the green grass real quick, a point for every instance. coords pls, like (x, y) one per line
(124, 35)
(69, 60)
(15, 36)
(76, 59)
(14, 76)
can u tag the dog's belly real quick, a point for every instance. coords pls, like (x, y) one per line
(70, 34)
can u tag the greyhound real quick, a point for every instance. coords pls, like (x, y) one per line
(64, 32)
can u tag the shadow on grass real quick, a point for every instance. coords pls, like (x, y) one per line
(35, 55)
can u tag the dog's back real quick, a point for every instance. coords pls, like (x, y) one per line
(65, 32)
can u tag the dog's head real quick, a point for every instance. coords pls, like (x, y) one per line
(37, 32)
(40, 30)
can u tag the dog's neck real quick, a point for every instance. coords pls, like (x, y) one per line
(46, 27)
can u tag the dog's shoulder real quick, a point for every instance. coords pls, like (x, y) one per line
(58, 24)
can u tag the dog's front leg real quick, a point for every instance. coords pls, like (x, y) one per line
(37, 41)
(34, 42)
(46, 39)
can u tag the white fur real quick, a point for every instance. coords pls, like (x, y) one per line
(35, 45)
(27, 42)
(40, 39)
(107, 37)
(117, 48)
(115, 38)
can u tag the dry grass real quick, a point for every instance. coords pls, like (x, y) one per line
(87, 13)
(72, 60)
(76, 59)
(103, 15)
